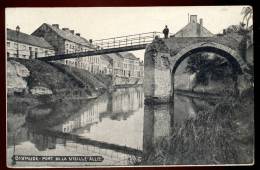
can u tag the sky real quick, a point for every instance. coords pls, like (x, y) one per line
(106, 22)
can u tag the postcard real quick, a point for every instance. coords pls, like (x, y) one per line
(129, 86)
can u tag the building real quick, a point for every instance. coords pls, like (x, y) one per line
(117, 64)
(194, 29)
(21, 45)
(125, 64)
(66, 41)
(141, 69)
(131, 66)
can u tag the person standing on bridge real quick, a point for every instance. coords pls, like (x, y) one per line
(166, 32)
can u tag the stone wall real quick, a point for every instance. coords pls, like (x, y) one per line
(157, 79)
(16, 74)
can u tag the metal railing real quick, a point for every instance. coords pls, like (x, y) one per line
(111, 45)
(126, 41)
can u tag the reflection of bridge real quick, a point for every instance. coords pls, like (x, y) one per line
(111, 45)
(86, 141)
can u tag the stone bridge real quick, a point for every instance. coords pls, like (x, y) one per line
(163, 56)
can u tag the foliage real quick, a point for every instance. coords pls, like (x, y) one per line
(247, 13)
(208, 68)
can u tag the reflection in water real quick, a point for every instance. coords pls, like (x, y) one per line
(116, 126)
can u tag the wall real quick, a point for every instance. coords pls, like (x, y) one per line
(157, 78)
(24, 52)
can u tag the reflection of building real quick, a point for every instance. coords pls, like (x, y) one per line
(126, 100)
(28, 46)
(87, 116)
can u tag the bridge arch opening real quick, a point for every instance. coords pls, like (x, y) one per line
(236, 65)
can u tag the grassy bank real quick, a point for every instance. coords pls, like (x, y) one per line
(55, 77)
(224, 135)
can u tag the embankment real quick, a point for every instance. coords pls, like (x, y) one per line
(36, 79)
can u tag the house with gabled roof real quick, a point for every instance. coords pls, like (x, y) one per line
(64, 41)
(22, 45)
(194, 29)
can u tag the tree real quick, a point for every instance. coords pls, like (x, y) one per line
(247, 13)
(208, 68)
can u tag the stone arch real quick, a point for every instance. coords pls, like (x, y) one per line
(224, 51)
(231, 55)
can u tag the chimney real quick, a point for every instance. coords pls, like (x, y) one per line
(65, 29)
(193, 18)
(72, 31)
(201, 22)
(56, 25)
(200, 27)
(78, 34)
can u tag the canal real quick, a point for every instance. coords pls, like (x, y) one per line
(124, 131)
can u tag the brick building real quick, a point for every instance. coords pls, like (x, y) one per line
(21, 45)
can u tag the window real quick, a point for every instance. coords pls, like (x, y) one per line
(46, 53)
(8, 54)
(24, 56)
(8, 44)
(36, 52)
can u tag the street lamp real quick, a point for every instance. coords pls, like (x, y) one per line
(17, 34)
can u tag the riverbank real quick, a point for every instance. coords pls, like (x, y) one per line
(221, 135)
(35, 81)
(201, 95)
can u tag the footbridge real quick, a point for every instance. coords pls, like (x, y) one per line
(111, 45)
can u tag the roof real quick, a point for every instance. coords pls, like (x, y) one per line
(28, 39)
(119, 56)
(128, 55)
(114, 56)
(69, 36)
(186, 28)
(106, 57)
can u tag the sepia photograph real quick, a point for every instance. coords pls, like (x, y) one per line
(129, 86)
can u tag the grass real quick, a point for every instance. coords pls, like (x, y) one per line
(58, 76)
(93, 81)
(43, 74)
(224, 135)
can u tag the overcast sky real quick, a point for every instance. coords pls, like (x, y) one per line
(98, 22)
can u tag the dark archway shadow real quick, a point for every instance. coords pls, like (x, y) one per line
(236, 67)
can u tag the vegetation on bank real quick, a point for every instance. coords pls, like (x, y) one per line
(58, 77)
(223, 135)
